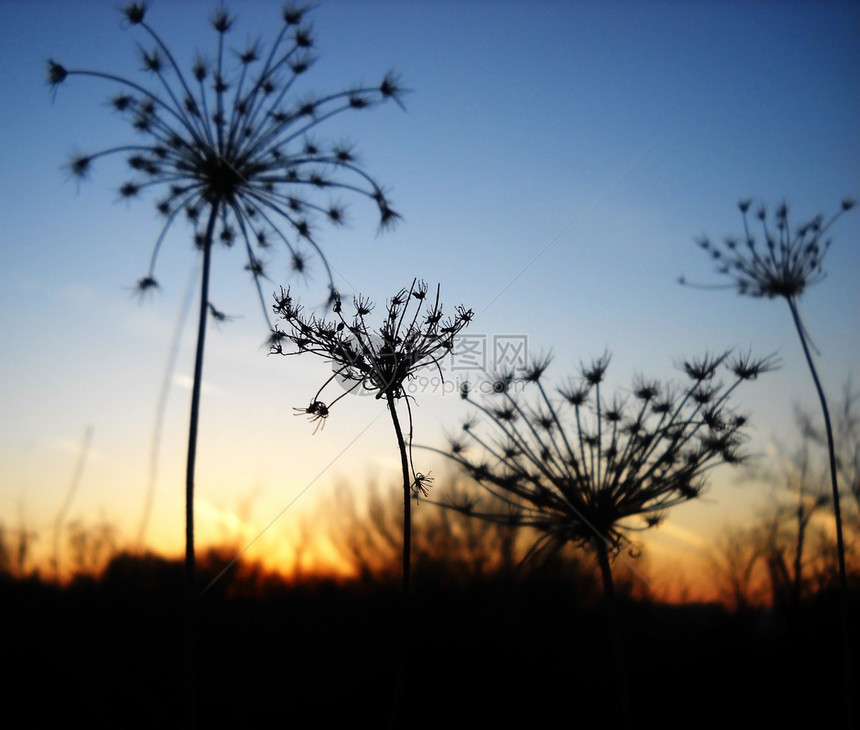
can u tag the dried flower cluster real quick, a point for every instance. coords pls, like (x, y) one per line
(785, 263)
(380, 360)
(413, 334)
(576, 466)
(229, 144)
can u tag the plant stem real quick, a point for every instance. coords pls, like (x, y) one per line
(190, 564)
(395, 720)
(407, 505)
(840, 547)
(166, 383)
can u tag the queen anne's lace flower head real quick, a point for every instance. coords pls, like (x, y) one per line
(365, 358)
(580, 468)
(228, 145)
(772, 259)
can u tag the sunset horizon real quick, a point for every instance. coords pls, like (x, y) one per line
(407, 361)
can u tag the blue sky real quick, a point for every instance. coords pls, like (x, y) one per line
(555, 162)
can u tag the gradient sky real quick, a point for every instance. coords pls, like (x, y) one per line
(555, 162)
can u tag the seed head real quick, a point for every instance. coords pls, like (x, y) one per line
(746, 367)
(537, 368)
(317, 411)
(376, 359)
(578, 475)
(705, 367)
(776, 260)
(595, 372)
(56, 74)
(231, 143)
(135, 13)
(293, 14)
(80, 165)
(222, 22)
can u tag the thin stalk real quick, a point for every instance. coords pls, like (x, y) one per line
(407, 548)
(190, 565)
(840, 547)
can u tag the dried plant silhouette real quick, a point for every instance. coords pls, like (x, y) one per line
(228, 147)
(414, 334)
(783, 263)
(579, 466)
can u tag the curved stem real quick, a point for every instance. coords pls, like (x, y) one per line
(407, 505)
(397, 710)
(194, 418)
(840, 547)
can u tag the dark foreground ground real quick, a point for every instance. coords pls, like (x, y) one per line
(497, 654)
